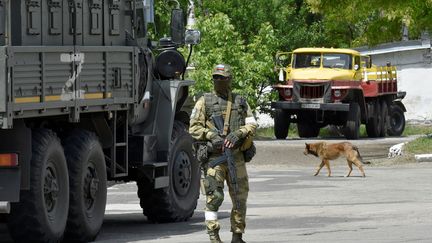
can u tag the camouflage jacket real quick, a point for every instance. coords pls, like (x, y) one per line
(241, 118)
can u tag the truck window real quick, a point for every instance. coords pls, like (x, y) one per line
(336, 60)
(357, 61)
(307, 60)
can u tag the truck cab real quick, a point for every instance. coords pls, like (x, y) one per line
(331, 86)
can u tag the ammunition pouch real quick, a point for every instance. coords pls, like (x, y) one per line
(201, 152)
(247, 143)
(249, 153)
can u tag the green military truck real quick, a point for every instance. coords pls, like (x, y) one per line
(86, 98)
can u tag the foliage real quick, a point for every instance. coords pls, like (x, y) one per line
(163, 17)
(220, 44)
(247, 34)
(252, 64)
(243, 34)
(374, 21)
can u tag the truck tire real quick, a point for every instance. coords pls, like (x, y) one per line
(88, 186)
(307, 130)
(178, 201)
(396, 124)
(281, 124)
(352, 125)
(374, 123)
(384, 119)
(41, 214)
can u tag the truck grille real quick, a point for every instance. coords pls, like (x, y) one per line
(312, 92)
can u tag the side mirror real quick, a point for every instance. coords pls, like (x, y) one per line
(177, 26)
(192, 37)
(356, 67)
(283, 59)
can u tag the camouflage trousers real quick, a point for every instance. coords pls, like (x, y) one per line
(214, 184)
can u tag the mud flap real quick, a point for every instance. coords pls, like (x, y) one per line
(10, 182)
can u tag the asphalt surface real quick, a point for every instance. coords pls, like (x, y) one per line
(287, 204)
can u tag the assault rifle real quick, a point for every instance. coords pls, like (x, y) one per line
(227, 157)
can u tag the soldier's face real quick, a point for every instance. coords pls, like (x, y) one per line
(221, 83)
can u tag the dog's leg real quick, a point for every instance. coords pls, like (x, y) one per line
(327, 163)
(319, 168)
(350, 168)
(360, 167)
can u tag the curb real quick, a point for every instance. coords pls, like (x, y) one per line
(423, 157)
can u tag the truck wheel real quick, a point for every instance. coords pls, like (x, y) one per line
(374, 123)
(178, 201)
(307, 130)
(281, 124)
(396, 121)
(352, 125)
(384, 119)
(42, 211)
(87, 181)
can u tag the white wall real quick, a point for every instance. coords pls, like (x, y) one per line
(417, 82)
(414, 77)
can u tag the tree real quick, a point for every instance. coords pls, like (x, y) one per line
(220, 44)
(243, 34)
(376, 21)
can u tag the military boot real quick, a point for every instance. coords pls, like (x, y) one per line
(214, 236)
(237, 238)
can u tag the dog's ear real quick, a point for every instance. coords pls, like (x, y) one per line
(307, 145)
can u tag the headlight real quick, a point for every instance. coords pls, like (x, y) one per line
(193, 37)
(337, 93)
(170, 64)
(287, 92)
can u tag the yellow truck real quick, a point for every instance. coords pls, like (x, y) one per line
(332, 86)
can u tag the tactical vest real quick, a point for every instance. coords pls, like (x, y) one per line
(215, 105)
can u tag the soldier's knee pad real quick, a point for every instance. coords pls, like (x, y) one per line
(215, 200)
(214, 192)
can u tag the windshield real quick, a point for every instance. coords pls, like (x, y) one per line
(329, 60)
(307, 60)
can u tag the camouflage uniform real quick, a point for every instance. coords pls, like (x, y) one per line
(243, 123)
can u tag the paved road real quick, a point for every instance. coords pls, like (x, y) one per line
(288, 204)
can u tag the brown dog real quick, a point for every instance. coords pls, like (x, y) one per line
(327, 152)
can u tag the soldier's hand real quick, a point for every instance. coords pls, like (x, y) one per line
(233, 140)
(217, 142)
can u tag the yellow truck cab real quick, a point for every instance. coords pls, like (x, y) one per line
(333, 86)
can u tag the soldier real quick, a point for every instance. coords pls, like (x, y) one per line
(239, 125)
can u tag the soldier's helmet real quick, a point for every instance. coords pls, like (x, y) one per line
(223, 70)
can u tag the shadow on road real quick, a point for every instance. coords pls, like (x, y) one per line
(135, 227)
(131, 227)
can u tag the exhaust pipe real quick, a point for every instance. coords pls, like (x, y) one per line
(4, 207)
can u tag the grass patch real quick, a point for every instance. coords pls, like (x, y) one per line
(417, 130)
(268, 132)
(422, 145)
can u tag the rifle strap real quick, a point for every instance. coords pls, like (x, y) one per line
(227, 115)
(210, 125)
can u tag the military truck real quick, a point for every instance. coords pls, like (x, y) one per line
(85, 98)
(340, 87)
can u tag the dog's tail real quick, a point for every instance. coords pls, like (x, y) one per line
(360, 157)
